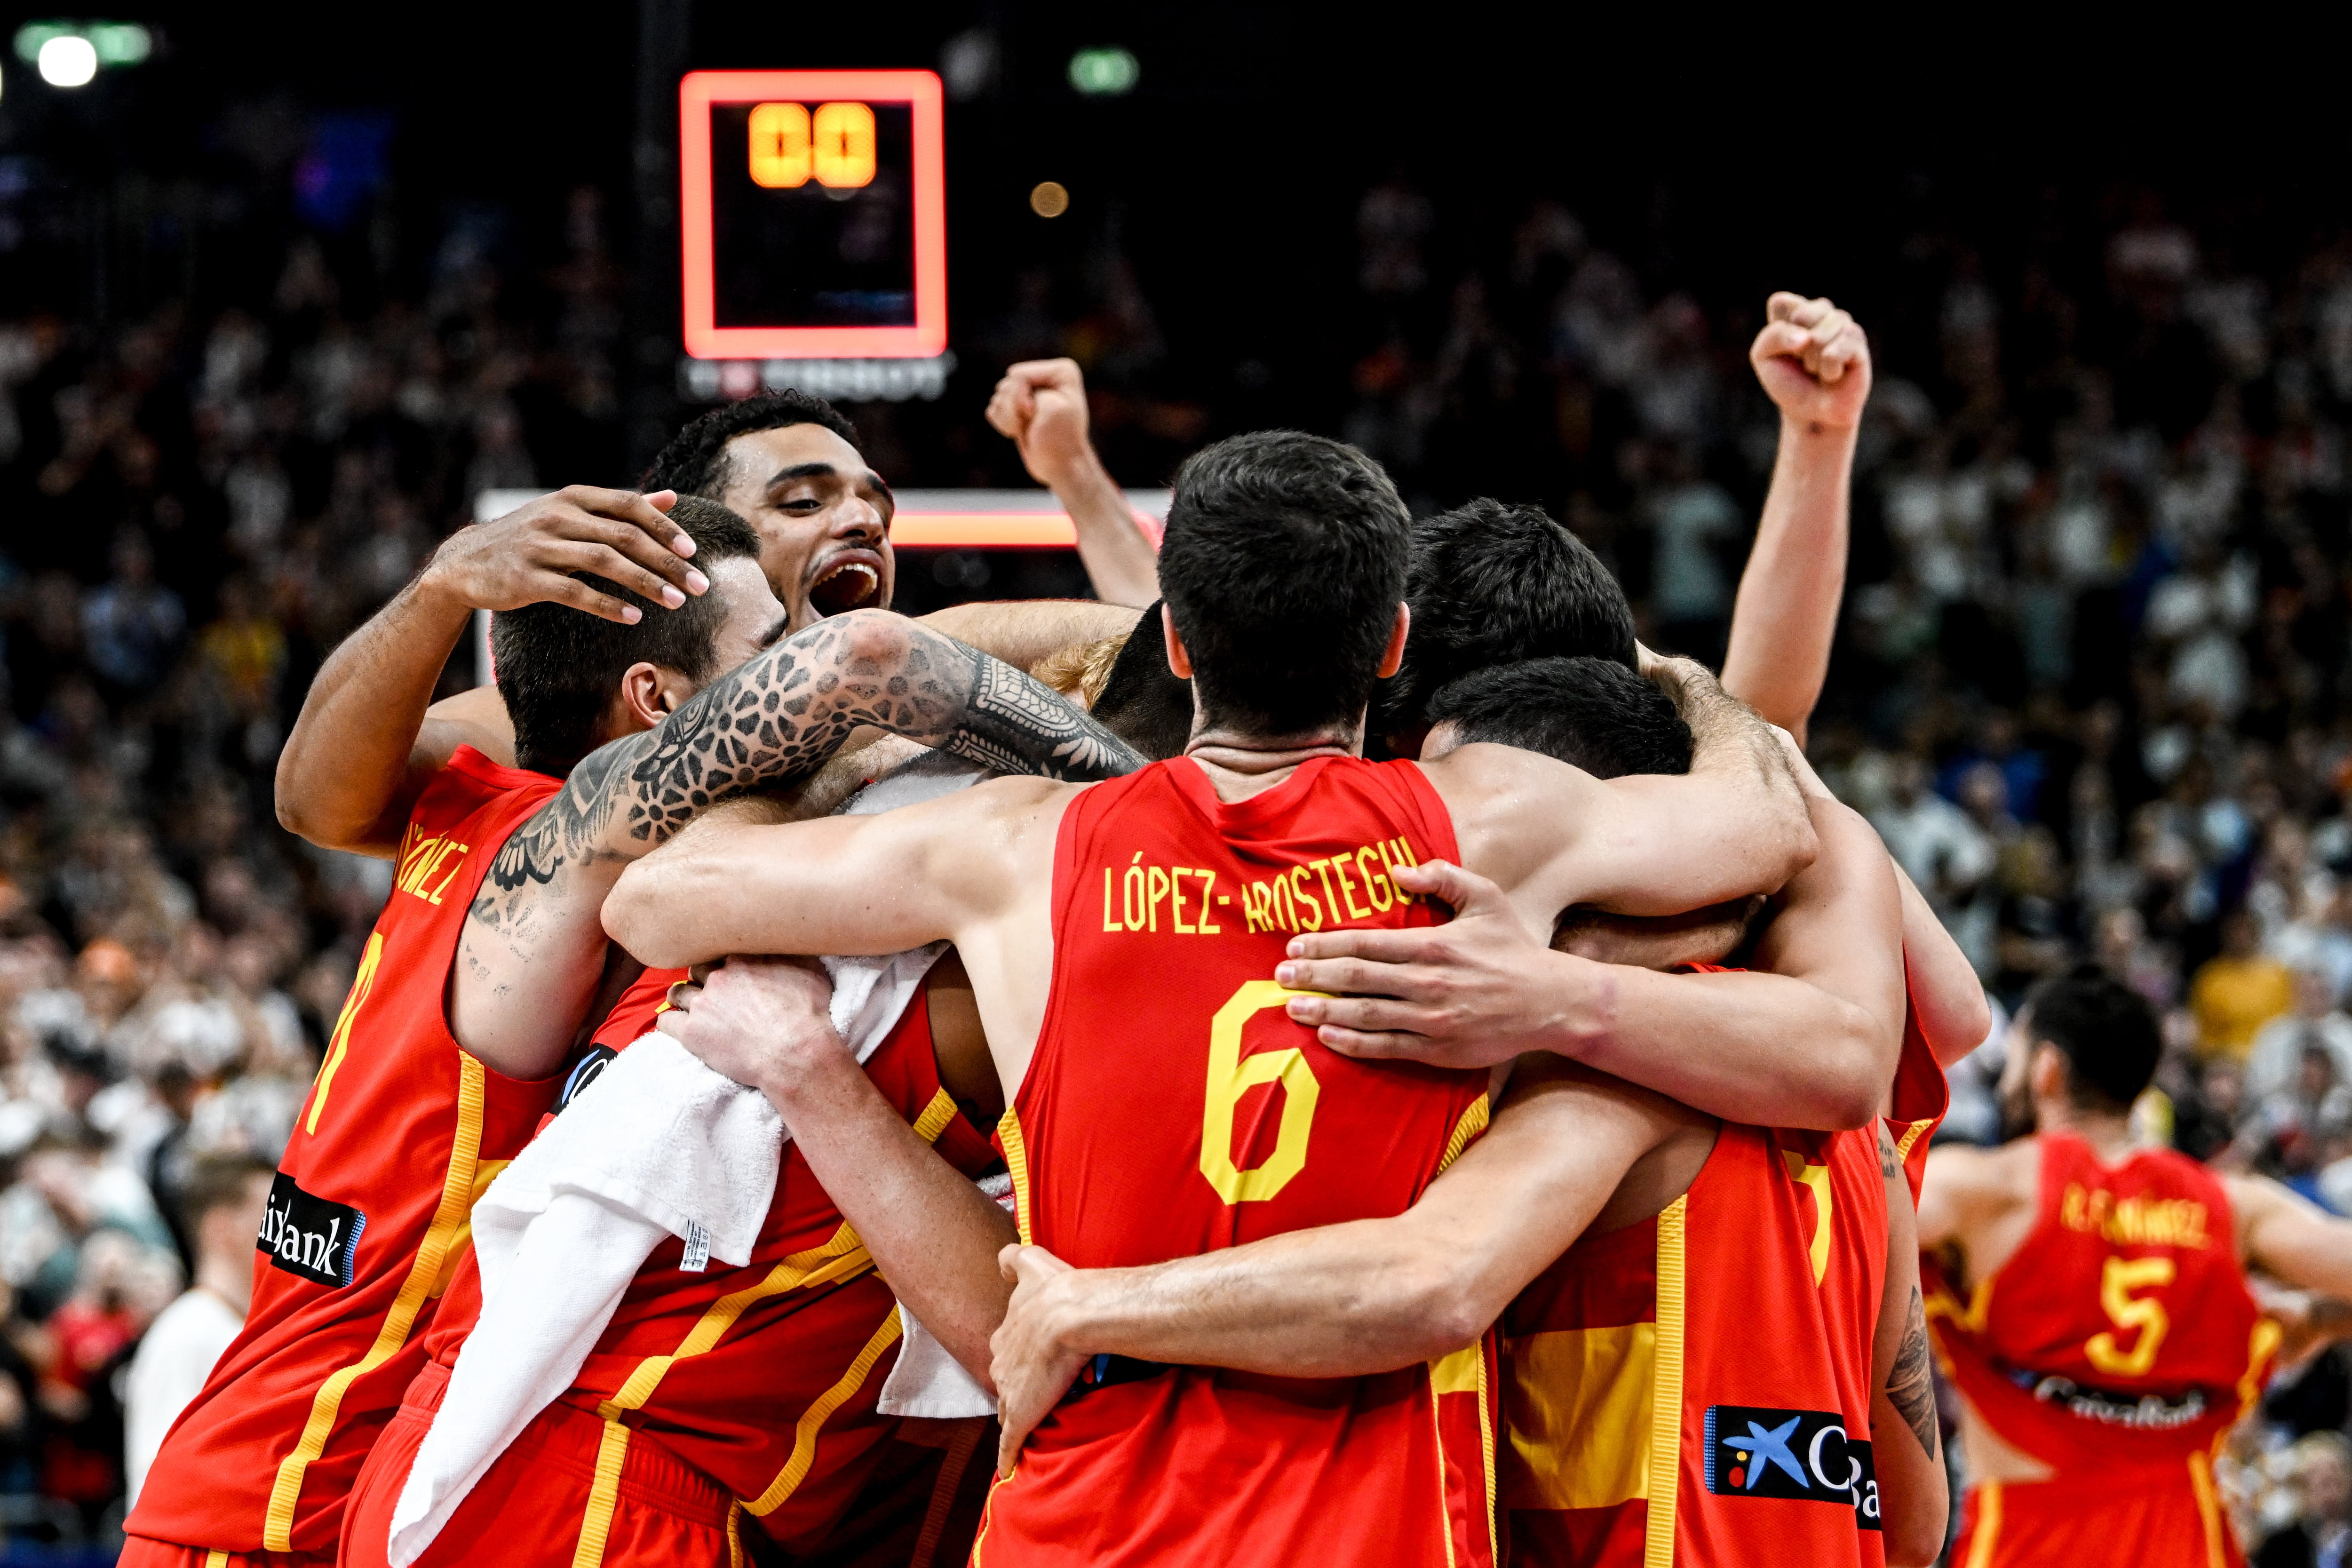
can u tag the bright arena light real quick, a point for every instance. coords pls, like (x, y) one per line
(67, 60)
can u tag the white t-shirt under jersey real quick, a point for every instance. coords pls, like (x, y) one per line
(168, 1370)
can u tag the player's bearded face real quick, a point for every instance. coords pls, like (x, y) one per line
(823, 516)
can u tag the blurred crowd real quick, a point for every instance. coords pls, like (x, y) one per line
(2087, 687)
(199, 508)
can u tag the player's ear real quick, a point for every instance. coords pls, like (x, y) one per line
(650, 693)
(2047, 1078)
(1179, 660)
(1393, 659)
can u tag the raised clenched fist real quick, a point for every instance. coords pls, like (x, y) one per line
(1814, 362)
(1040, 404)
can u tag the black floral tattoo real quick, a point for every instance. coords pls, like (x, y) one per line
(777, 719)
(1911, 1386)
(1889, 1162)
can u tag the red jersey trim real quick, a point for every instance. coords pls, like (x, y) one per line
(449, 1219)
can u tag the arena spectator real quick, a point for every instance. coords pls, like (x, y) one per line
(221, 1210)
(2237, 991)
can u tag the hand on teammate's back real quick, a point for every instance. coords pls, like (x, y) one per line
(760, 1021)
(1453, 996)
(1814, 362)
(1041, 405)
(1027, 1362)
(527, 557)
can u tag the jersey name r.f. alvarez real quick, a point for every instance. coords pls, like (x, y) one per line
(1173, 1107)
(369, 1213)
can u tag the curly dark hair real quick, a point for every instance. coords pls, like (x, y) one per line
(694, 463)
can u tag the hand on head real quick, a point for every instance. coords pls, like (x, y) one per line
(527, 557)
(1814, 362)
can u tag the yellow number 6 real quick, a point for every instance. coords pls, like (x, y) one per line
(1230, 1077)
(2117, 1280)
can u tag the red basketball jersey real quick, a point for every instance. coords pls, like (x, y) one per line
(631, 1018)
(763, 1377)
(1172, 1108)
(1922, 1096)
(1696, 1389)
(369, 1213)
(2121, 1343)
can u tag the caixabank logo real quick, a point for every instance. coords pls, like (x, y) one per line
(309, 1236)
(1805, 1454)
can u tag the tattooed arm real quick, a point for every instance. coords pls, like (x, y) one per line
(1913, 1494)
(533, 941)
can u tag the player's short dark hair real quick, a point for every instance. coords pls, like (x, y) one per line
(215, 1182)
(557, 667)
(2106, 1030)
(1491, 583)
(695, 461)
(1283, 565)
(1591, 713)
(1144, 702)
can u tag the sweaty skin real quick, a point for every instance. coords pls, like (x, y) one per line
(976, 868)
(532, 948)
(367, 743)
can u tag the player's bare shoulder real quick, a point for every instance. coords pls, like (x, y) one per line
(1512, 809)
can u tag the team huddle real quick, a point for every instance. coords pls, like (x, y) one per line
(1336, 1053)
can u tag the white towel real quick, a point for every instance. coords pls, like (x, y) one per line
(676, 1148)
(926, 1380)
(657, 1145)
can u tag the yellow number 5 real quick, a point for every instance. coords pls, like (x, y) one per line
(2117, 1280)
(1230, 1077)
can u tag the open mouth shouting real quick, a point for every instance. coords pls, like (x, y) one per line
(848, 581)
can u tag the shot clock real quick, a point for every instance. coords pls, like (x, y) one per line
(814, 215)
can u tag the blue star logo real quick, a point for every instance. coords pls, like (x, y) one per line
(1770, 1447)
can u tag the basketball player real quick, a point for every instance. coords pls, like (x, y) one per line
(370, 735)
(2090, 1303)
(495, 898)
(1283, 570)
(1730, 1364)
(1495, 582)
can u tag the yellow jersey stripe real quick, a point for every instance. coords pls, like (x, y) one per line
(1486, 1456)
(1473, 1122)
(424, 1270)
(1666, 1396)
(842, 1256)
(596, 1525)
(1988, 1538)
(2209, 1513)
(1016, 1160)
(1911, 1136)
(820, 1410)
(935, 1117)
